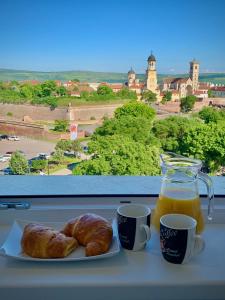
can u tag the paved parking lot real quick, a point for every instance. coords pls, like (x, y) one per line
(30, 147)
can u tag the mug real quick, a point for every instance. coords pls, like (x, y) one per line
(133, 222)
(178, 239)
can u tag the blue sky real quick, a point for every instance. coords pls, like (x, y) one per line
(46, 35)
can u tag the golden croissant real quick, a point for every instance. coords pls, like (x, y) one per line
(92, 231)
(43, 242)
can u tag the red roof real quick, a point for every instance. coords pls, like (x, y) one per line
(116, 86)
(218, 88)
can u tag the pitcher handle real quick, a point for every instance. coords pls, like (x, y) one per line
(209, 184)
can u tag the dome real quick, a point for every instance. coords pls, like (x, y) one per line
(151, 58)
(131, 71)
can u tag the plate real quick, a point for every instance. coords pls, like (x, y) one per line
(12, 248)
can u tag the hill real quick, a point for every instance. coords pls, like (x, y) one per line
(90, 76)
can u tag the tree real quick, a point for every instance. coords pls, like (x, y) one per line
(125, 93)
(27, 91)
(120, 155)
(149, 97)
(170, 132)
(104, 90)
(68, 145)
(75, 80)
(61, 91)
(135, 109)
(18, 164)
(58, 156)
(206, 142)
(187, 103)
(167, 97)
(61, 125)
(210, 114)
(64, 145)
(39, 164)
(138, 128)
(48, 87)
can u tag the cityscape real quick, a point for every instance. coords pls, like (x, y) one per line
(54, 127)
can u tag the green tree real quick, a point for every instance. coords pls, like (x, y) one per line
(18, 163)
(68, 145)
(135, 109)
(58, 156)
(75, 80)
(149, 97)
(64, 145)
(104, 90)
(138, 128)
(210, 114)
(120, 155)
(48, 87)
(206, 142)
(61, 125)
(39, 164)
(170, 132)
(187, 103)
(61, 91)
(26, 91)
(210, 94)
(125, 93)
(167, 97)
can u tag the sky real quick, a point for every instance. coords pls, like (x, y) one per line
(112, 36)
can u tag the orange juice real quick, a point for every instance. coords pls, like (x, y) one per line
(180, 202)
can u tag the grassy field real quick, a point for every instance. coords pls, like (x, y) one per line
(63, 101)
(90, 76)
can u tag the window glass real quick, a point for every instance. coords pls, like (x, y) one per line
(59, 118)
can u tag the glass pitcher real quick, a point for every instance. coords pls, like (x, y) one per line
(179, 189)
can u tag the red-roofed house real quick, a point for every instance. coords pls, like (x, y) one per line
(218, 91)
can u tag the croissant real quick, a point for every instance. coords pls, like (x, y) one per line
(92, 231)
(43, 242)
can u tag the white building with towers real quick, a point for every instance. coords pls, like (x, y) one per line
(179, 86)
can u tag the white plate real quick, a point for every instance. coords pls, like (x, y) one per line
(12, 248)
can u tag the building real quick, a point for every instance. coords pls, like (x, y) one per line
(151, 75)
(218, 91)
(133, 83)
(188, 85)
(194, 74)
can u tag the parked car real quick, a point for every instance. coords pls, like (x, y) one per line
(44, 156)
(13, 138)
(9, 153)
(8, 171)
(4, 136)
(3, 158)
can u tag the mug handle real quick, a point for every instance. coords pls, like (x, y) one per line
(148, 234)
(199, 245)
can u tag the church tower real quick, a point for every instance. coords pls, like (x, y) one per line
(194, 74)
(151, 83)
(131, 77)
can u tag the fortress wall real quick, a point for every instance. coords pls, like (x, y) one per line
(85, 113)
(31, 130)
(34, 112)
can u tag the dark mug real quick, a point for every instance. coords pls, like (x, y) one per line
(133, 221)
(178, 239)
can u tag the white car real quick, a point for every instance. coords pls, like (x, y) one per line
(13, 138)
(3, 158)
